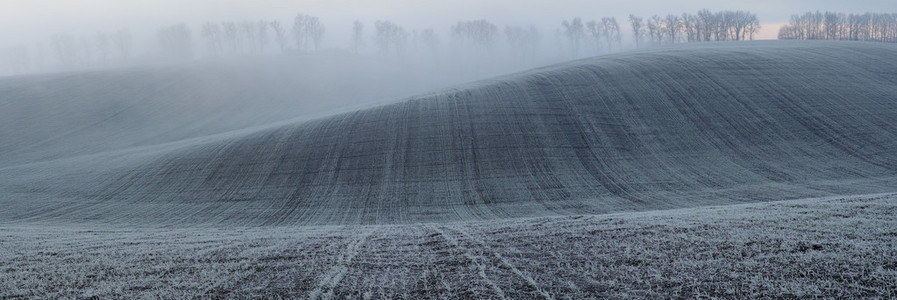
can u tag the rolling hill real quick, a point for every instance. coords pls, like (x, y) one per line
(52, 116)
(668, 128)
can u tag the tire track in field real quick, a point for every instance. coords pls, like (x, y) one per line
(504, 262)
(324, 288)
(481, 267)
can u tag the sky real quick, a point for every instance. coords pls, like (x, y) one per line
(31, 20)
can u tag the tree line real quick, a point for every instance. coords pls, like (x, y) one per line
(879, 27)
(467, 43)
(599, 36)
(68, 51)
(604, 35)
(705, 26)
(260, 37)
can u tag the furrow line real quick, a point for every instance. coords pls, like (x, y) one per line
(481, 268)
(324, 288)
(526, 278)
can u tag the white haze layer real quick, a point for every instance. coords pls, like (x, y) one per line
(30, 26)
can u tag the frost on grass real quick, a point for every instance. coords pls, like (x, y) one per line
(834, 247)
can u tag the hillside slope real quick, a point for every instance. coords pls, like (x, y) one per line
(673, 127)
(52, 116)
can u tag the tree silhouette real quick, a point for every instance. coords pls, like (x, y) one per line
(481, 34)
(280, 35)
(638, 30)
(211, 33)
(574, 31)
(879, 27)
(307, 30)
(390, 37)
(175, 42)
(357, 36)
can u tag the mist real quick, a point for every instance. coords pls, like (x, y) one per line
(34, 31)
(346, 53)
(506, 149)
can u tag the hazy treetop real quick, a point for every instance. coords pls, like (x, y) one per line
(21, 20)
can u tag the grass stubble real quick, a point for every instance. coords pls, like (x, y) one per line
(841, 247)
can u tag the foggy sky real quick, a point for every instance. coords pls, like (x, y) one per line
(35, 20)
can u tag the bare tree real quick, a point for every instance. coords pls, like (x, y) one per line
(231, 33)
(611, 32)
(831, 23)
(211, 33)
(574, 31)
(316, 31)
(123, 43)
(261, 35)
(102, 44)
(248, 31)
(753, 28)
(479, 33)
(655, 29)
(280, 35)
(300, 33)
(523, 41)
(87, 51)
(596, 31)
(175, 42)
(740, 22)
(638, 29)
(706, 25)
(673, 25)
(690, 28)
(430, 40)
(307, 30)
(390, 37)
(357, 36)
(38, 57)
(722, 21)
(17, 59)
(65, 49)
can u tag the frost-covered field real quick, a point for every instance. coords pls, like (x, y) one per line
(843, 247)
(603, 177)
(668, 128)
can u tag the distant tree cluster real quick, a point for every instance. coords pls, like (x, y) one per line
(239, 38)
(481, 35)
(468, 44)
(705, 26)
(390, 38)
(523, 41)
(176, 42)
(357, 36)
(879, 27)
(600, 36)
(71, 52)
(427, 39)
(307, 31)
(19, 59)
(260, 37)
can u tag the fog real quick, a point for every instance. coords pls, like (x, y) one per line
(336, 148)
(31, 32)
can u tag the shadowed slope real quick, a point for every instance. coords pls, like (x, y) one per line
(46, 117)
(658, 129)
